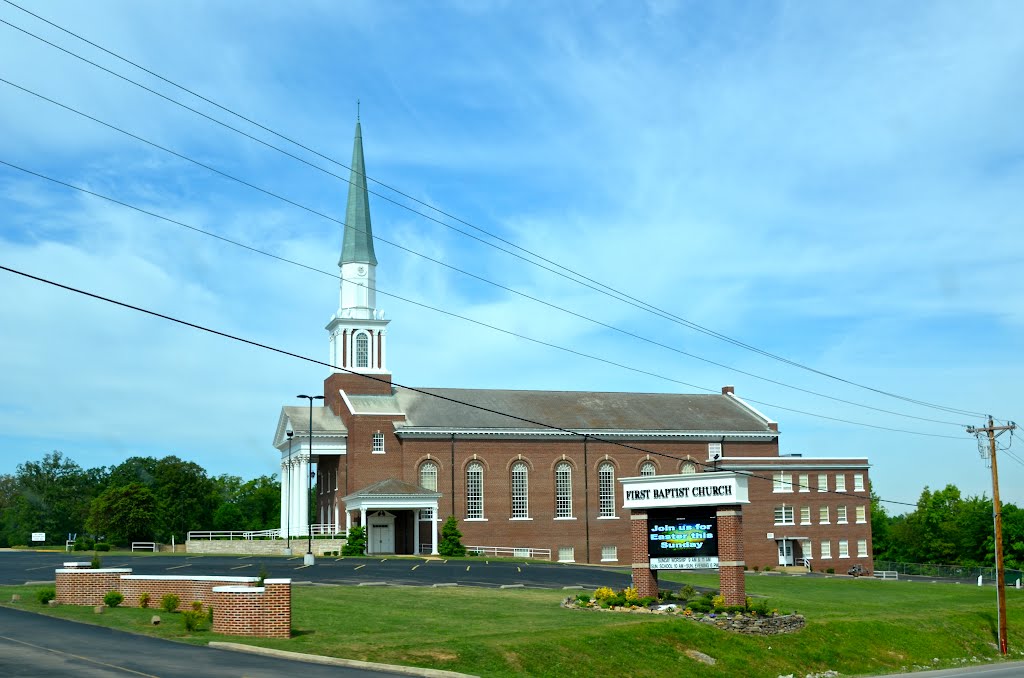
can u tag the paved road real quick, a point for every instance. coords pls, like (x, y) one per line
(18, 567)
(34, 645)
(1007, 670)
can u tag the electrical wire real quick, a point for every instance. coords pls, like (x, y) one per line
(505, 288)
(462, 317)
(579, 278)
(267, 347)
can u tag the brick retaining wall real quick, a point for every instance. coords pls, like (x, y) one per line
(247, 611)
(87, 587)
(188, 589)
(262, 546)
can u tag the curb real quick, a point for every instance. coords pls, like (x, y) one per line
(335, 661)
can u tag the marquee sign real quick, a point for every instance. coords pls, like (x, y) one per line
(694, 489)
(683, 539)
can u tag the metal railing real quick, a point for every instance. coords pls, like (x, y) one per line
(966, 572)
(317, 530)
(510, 552)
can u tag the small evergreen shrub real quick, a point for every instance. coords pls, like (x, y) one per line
(647, 601)
(830, 570)
(97, 563)
(451, 539)
(194, 620)
(113, 598)
(355, 543)
(101, 546)
(170, 602)
(197, 605)
(583, 598)
(687, 592)
(47, 594)
(144, 599)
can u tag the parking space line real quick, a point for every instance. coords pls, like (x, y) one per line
(360, 566)
(239, 567)
(178, 567)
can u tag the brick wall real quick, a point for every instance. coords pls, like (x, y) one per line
(643, 579)
(264, 546)
(258, 611)
(730, 555)
(188, 589)
(87, 587)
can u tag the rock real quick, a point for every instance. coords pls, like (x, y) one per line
(155, 620)
(701, 657)
(15, 598)
(98, 609)
(53, 603)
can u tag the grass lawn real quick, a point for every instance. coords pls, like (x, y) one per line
(855, 627)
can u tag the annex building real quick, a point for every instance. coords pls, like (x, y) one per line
(399, 460)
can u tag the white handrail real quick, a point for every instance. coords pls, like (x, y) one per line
(511, 552)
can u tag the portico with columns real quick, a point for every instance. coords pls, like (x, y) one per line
(387, 510)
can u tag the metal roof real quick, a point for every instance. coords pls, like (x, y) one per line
(357, 245)
(324, 421)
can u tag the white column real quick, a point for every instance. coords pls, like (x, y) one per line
(416, 534)
(284, 498)
(348, 521)
(433, 532)
(293, 474)
(302, 491)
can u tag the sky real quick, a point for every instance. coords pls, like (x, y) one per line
(836, 184)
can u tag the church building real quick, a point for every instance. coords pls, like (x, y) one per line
(534, 473)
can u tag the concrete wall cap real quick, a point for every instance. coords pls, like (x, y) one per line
(237, 589)
(179, 577)
(277, 581)
(108, 570)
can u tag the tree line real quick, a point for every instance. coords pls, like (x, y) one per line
(947, 528)
(140, 499)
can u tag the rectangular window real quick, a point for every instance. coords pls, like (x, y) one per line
(609, 554)
(783, 482)
(783, 515)
(378, 443)
(823, 515)
(606, 490)
(840, 482)
(563, 490)
(822, 482)
(862, 514)
(805, 482)
(714, 451)
(826, 550)
(858, 482)
(520, 491)
(475, 491)
(566, 554)
(841, 515)
(844, 548)
(862, 548)
(805, 515)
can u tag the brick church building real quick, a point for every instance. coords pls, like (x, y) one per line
(535, 472)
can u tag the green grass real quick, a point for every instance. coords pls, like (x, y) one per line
(853, 626)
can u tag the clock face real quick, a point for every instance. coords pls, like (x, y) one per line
(361, 270)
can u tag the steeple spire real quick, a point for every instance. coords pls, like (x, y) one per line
(357, 245)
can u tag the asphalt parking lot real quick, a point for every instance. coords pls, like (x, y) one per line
(19, 567)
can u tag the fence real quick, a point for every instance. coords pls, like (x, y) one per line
(510, 552)
(317, 530)
(987, 574)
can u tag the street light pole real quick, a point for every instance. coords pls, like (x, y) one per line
(288, 499)
(308, 559)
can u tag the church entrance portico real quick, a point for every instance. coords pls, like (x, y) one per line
(390, 510)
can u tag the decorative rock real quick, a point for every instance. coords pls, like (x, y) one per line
(701, 657)
(52, 603)
(155, 620)
(15, 598)
(98, 609)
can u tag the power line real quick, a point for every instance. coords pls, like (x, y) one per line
(462, 271)
(468, 319)
(456, 401)
(577, 277)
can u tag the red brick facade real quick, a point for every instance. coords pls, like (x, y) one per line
(643, 578)
(265, 612)
(76, 586)
(730, 555)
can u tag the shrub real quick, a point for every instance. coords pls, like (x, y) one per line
(631, 596)
(96, 562)
(113, 598)
(830, 570)
(687, 592)
(699, 605)
(355, 541)
(83, 544)
(47, 594)
(756, 568)
(718, 603)
(209, 614)
(193, 619)
(101, 546)
(647, 601)
(144, 599)
(604, 593)
(261, 576)
(170, 602)
(451, 539)
(583, 598)
(768, 568)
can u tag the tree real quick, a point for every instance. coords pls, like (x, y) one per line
(186, 497)
(51, 496)
(451, 539)
(228, 517)
(881, 523)
(123, 514)
(355, 544)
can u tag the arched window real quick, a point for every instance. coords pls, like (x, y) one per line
(475, 490)
(606, 489)
(688, 467)
(520, 490)
(428, 481)
(648, 469)
(362, 350)
(563, 490)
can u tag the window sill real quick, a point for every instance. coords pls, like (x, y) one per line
(609, 560)
(607, 518)
(784, 524)
(824, 522)
(475, 520)
(376, 452)
(565, 518)
(842, 522)
(520, 519)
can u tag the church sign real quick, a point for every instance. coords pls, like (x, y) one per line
(683, 539)
(694, 489)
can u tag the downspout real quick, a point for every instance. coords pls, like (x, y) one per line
(586, 498)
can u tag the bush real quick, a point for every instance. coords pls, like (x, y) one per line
(583, 598)
(47, 594)
(699, 605)
(113, 598)
(830, 570)
(261, 576)
(83, 544)
(687, 592)
(197, 605)
(647, 601)
(144, 599)
(756, 568)
(603, 593)
(194, 620)
(101, 546)
(96, 562)
(355, 543)
(170, 602)
(451, 539)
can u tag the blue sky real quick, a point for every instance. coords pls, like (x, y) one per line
(835, 183)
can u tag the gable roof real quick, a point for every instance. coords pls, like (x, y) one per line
(587, 411)
(296, 417)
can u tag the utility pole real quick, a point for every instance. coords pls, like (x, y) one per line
(997, 518)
